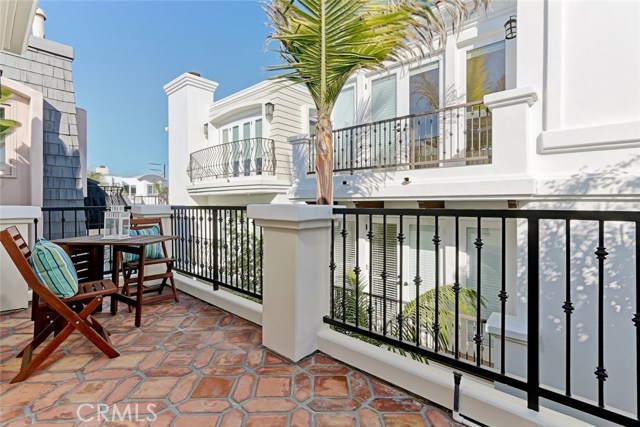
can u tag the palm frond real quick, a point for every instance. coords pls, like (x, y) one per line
(323, 42)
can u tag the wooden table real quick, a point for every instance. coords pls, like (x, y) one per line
(92, 266)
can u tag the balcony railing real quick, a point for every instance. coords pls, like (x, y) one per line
(453, 136)
(219, 245)
(422, 280)
(248, 157)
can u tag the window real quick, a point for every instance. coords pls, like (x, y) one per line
(425, 258)
(383, 98)
(424, 86)
(259, 143)
(151, 190)
(344, 110)
(3, 148)
(485, 71)
(313, 121)
(133, 190)
(236, 150)
(385, 151)
(125, 188)
(491, 267)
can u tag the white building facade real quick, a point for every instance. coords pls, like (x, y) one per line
(233, 150)
(549, 119)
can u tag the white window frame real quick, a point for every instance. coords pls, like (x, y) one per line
(421, 68)
(477, 43)
(10, 144)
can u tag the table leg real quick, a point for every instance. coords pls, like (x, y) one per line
(115, 277)
(140, 289)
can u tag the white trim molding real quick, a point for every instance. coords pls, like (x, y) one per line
(528, 95)
(188, 79)
(603, 137)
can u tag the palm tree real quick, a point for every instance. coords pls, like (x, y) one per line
(323, 42)
(6, 125)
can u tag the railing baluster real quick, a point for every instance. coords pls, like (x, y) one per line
(503, 299)
(332, 268)
(478, 336)
(384, 275)
(417, 281)
(344, 234)
(356, 270)
(636, 318)
(533, 314)
(601, 372)
(370, 237)
(400, 251)
(568, 307)
(456, 290)
(436, 245)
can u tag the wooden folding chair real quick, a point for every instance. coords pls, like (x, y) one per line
(129, 268)
(88, 298)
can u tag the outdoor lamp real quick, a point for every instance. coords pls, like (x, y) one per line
(510, 28)
(116, 223)
(268, 110)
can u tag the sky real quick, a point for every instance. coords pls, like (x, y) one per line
(125, 51)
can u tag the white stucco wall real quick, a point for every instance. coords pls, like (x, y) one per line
(189, 97)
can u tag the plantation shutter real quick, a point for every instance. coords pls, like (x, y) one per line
(491, 267)
(426, 259)
(338, 253)
(378, 259)
(383, 98)
(377, 285)
(344, 110)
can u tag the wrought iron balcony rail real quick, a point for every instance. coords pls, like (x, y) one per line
(452, 136)
(248, 157)
(219, 245)
(387, 279)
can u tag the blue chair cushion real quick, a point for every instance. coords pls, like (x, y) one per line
(150, 251)
(54, 269)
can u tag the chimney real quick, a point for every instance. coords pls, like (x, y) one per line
(37, 29)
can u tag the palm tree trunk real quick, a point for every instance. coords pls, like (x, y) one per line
(324, 159)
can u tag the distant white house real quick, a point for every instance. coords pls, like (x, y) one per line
(137, 190)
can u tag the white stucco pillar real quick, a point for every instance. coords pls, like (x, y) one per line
(513, 142)
(189, 97)
(297, 242)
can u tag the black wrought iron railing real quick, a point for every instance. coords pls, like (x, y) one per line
(453, 136)
(248, 157)
(63, 222)
(412, 278)
(219, 245)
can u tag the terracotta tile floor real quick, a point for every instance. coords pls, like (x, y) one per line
(192, 364)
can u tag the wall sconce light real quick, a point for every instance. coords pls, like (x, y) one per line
(268, 110)
(206, 130)
(407, 180)
(510, 28)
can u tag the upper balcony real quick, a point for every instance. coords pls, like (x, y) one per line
(247, 165)
(453, 136)
(477, 149)
(249, 157)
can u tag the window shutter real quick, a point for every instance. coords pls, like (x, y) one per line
(344, 110)
(491, 267)
(426, 259)
(338, 253)
(383, 98)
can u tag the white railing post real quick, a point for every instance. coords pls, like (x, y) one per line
(295, 275)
